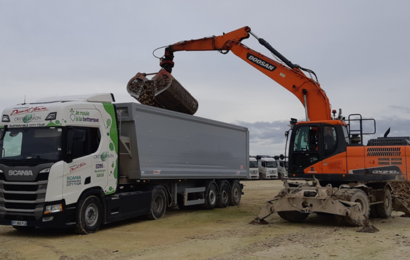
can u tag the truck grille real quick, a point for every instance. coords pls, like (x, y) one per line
(23, 200)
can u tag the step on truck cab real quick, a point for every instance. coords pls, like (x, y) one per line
(83, 161)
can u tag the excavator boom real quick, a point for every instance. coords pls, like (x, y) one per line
(290, 76)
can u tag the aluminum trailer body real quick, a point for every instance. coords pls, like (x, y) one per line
(82, 161)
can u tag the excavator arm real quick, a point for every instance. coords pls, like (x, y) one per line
(290, 76)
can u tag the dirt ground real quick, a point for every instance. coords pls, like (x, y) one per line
(216, 234)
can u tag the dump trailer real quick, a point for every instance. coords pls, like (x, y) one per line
(83, 161)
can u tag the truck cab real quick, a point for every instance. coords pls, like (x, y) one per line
(268, 167)
(282, 169)
(53, 151)
(253, 168)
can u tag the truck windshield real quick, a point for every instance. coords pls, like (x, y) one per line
(253, 164)
(271, 165)
(31, 144)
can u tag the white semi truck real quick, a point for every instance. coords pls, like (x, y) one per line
(268, 167)
(282, 169)
(83, 161)
(253, 168)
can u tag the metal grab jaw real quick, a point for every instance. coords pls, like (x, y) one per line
(162, 91)
(311, 197)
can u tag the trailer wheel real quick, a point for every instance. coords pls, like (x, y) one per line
(293, 216)
(385, 209)
(89, 215)
(158, 203)
(211, 196)
(236, 194)
(224, 196)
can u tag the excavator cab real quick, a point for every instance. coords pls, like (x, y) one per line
(312, 143)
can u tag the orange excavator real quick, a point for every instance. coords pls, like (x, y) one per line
(358, 180)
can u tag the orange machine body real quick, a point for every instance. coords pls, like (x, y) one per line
(341, 158)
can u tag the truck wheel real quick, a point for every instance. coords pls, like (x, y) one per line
(293, 216)
(211, 196)
(89, 215)
(385, 209)
(224, 196)
(158, 203)
(236, 194)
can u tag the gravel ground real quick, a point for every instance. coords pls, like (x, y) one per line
(216, 234)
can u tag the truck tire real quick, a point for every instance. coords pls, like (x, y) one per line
(158, 203)
(236, 194)
(211, 195)
(89, 215)
(293, 216)
(385, 209)
(224, 195)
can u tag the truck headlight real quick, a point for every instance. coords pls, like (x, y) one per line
(45, 170)
(51, 116)
(53, 208)
(5, 118)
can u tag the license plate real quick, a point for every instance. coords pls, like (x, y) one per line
(18, 223)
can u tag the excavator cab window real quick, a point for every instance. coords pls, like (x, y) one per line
(305, 147)
(330, 140)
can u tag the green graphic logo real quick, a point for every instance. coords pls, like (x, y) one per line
(27, 118)
(104, 156)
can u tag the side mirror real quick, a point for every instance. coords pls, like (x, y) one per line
(3, 132)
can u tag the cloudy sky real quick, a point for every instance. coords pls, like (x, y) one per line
(358, 49)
